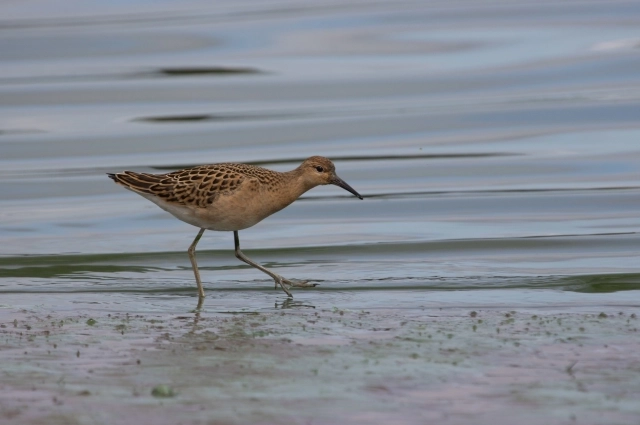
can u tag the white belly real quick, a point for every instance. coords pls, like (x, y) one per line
(233, 214)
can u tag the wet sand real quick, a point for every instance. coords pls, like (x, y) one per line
(297, 364)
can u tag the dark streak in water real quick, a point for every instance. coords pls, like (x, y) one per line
(197, 71)
(176, 118)
(419, 194)
(210, 117)
(162, 72)
(298, 161)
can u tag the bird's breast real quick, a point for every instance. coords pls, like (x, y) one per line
(243, 208)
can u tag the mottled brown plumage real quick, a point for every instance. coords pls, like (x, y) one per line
(200, 186)
(230, 197)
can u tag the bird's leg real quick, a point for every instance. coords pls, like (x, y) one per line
(279, 279)
(192, 257)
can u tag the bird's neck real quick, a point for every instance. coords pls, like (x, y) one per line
(295, 184)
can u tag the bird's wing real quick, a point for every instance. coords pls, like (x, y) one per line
(197, 186)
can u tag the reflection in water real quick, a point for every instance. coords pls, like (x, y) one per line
(198, 309)
(290, 303)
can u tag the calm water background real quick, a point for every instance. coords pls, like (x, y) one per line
(497, 145)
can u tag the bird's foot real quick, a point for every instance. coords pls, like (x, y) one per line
(286, 284)
(283, 284)
(297, 283)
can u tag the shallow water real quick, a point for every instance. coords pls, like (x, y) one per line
(496, 146)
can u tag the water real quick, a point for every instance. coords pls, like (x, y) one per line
(496, 146)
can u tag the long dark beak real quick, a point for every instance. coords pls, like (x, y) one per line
(341, 183)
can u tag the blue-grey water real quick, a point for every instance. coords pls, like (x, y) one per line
(496, 144)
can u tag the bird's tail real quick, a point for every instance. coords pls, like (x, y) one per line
(138, 182)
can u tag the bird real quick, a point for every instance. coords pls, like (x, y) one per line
(231, 197)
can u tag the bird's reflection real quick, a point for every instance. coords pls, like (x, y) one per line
(196, 314)
(199, 306)
(291, 303)
(288, 303)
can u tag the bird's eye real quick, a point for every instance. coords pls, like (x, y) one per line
(319, 169)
